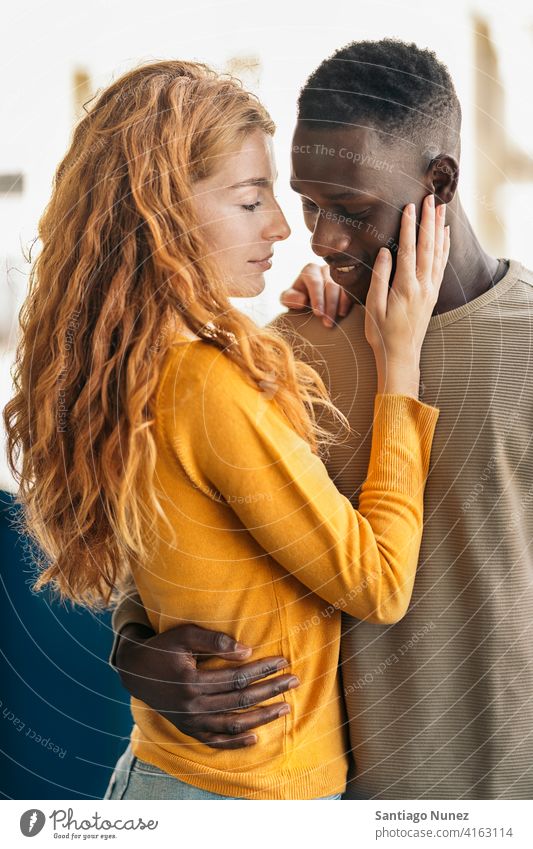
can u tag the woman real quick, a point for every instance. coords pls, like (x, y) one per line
(165, 436)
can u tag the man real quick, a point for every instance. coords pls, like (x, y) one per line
(439, 705)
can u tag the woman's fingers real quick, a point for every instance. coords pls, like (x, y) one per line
(314, 287)
(345, 304)
(376, 299)
(308, 288)
(440, 238)
(425, 248)
(445, 254)
(335, 294)
(406, 257)
(311, 281)
(397, 319)
(420, 259)
(293, 299)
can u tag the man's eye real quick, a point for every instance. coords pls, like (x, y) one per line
(249, 207)
(309, 206)
(356, 216)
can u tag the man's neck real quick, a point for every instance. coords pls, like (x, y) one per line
(470, 270)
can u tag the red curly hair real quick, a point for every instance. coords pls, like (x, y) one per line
(121, 258)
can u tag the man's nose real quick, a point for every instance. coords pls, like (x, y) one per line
(329, 237)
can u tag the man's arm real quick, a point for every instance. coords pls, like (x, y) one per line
(129, 612)
(162, 671)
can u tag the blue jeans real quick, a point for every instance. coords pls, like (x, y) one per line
(135, 779)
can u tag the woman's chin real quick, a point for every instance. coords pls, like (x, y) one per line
(249, 287)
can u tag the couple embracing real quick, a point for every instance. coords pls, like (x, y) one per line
(263, 489)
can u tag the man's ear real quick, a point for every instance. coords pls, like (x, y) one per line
(443, 177)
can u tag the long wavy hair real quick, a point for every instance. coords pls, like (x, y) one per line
(120, 259)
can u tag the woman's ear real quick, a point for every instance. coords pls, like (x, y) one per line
(443, 177)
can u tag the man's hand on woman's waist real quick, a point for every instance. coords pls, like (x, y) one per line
(162, 671)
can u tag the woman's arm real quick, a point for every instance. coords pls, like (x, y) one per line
(235, 445)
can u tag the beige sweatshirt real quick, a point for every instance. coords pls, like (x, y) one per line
(440, 705)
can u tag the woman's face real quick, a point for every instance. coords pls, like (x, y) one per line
(239, 216)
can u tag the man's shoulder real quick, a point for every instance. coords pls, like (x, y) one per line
(304, 325)
(295, 320)
(518, 291)
(303, 330)
(525, 275)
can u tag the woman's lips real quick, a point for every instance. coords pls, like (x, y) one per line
(262, 264)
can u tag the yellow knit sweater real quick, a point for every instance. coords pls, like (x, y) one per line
(267, 550)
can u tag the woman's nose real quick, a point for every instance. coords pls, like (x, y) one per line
(278, 226)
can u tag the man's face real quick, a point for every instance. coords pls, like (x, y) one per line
(354, 184)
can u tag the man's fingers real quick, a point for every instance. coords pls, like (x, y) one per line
(221, 741)
(201, 641)
(238, 724)
(210, 681)
(250, 696)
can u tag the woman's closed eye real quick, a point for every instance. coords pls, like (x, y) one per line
(250, 207)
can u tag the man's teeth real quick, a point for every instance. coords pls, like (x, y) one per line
(346, 268)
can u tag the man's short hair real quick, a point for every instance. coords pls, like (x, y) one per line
(388, 84)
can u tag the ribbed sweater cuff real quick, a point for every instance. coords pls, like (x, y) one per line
(401, 443)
